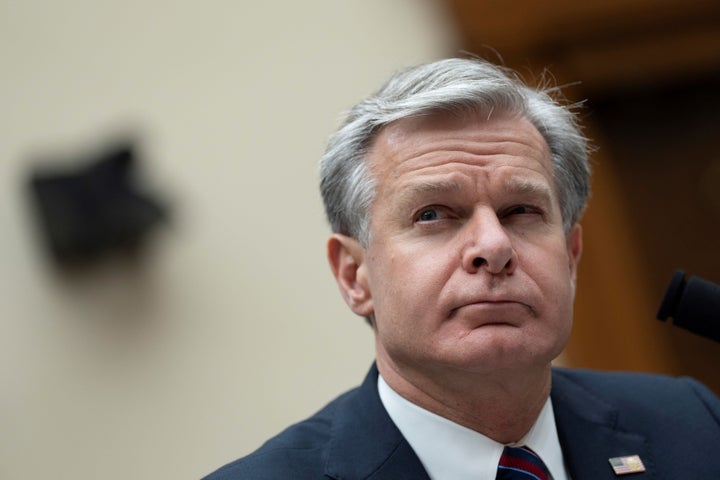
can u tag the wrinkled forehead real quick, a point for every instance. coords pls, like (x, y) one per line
(417, 135)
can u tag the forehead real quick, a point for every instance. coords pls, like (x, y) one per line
(449, 145)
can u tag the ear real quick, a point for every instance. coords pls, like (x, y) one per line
(574, 249)
(347, 261)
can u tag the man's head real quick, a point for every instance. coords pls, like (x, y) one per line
(452, 85)
(454, 193)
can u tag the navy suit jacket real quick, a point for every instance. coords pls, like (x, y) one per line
(672, 424)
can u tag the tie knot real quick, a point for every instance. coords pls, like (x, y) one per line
(521, 463)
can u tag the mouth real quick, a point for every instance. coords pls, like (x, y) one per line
(493, 308)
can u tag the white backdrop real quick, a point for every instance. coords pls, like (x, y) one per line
(232, 328)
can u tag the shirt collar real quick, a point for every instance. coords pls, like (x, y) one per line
(449, 450)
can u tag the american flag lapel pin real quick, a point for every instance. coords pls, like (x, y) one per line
(626, 465)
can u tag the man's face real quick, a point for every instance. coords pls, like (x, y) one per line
(467, 266)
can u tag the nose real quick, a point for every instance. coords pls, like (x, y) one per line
(487, 245)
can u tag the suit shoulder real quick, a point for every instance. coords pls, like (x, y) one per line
(299, 451)
(644, 391)
(604, 379)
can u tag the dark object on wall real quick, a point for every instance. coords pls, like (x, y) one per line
(94, 209)
(693, 304)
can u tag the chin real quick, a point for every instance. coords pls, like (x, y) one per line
(503, 355)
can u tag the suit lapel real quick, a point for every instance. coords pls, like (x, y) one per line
(367, 445)
(365, 442)
(589, 434)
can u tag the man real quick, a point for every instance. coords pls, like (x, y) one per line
(454, 195)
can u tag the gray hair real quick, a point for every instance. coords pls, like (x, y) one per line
(458, 86)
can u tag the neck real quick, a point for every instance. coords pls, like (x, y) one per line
(501, 405)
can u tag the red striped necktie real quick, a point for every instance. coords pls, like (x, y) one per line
(521, 463)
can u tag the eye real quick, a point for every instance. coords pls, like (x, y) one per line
(522, 210)
(428, 215)
(519, 209)
(431, 214)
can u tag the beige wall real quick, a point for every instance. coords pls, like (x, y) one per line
(232, 328)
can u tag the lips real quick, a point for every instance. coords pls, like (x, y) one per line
(489, 306)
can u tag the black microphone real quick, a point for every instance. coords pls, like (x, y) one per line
(693, 304)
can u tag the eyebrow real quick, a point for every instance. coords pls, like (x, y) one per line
(419, 190)
(524, 185)
(511, 185)
(539, 190)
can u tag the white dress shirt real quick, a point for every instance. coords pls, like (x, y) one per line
(449, 451)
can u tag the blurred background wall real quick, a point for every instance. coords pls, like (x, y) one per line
(227, 326)
(230, 326)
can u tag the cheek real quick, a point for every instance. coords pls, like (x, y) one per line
(550, 271)
(559, 306)
(408, 281)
